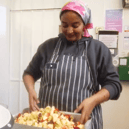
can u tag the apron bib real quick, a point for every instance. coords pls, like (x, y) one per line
(67, 82)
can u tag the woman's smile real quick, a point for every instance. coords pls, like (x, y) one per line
(72, 26)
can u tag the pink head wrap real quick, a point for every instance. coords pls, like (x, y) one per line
(82, 9)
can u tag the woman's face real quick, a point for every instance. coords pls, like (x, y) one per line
(72, 26)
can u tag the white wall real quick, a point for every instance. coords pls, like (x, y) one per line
(116, 113)
(4, 50)
(31, 23)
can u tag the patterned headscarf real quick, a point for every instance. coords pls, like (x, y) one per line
(82, 9)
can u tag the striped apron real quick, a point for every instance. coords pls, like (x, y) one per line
(65, 83)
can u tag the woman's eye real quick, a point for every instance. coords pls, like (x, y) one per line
(65, 26)
(75, 26)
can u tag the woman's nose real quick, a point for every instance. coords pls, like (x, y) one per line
(70, 30)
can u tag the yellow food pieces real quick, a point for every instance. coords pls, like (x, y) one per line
(49, 117)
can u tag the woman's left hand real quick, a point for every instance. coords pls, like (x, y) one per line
(86, 108)
(88, 104)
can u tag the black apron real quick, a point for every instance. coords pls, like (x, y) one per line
(67, 82)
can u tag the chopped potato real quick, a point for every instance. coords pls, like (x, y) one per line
(48, 117)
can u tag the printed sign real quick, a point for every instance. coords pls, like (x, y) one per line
(113, 20)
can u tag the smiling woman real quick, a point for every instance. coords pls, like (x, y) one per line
(72, 67)
(72, 25)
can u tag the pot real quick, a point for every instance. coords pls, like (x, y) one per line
(6, 118)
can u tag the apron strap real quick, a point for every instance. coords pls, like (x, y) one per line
(56, 50)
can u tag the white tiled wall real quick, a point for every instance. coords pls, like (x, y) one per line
(15, 45)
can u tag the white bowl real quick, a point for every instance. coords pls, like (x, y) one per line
(6, 119)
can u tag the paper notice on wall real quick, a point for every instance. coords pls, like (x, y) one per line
(126, 41)
(109, 40)
(123, 61)
(126, 28)
(113, 20)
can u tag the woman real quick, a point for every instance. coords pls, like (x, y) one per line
(72, 67)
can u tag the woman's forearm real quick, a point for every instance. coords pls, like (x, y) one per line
(100, 97)
(28, 82)
(88, 104)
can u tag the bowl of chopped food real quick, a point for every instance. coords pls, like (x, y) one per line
(49, 118)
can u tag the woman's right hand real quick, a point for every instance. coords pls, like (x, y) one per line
(33, 100)
(29, 84)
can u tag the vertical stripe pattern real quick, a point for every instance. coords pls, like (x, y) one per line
(67, 85)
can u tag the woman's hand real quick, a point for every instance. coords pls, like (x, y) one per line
(88, 104)
(86, 108)
(33, 100)
(29, 84)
